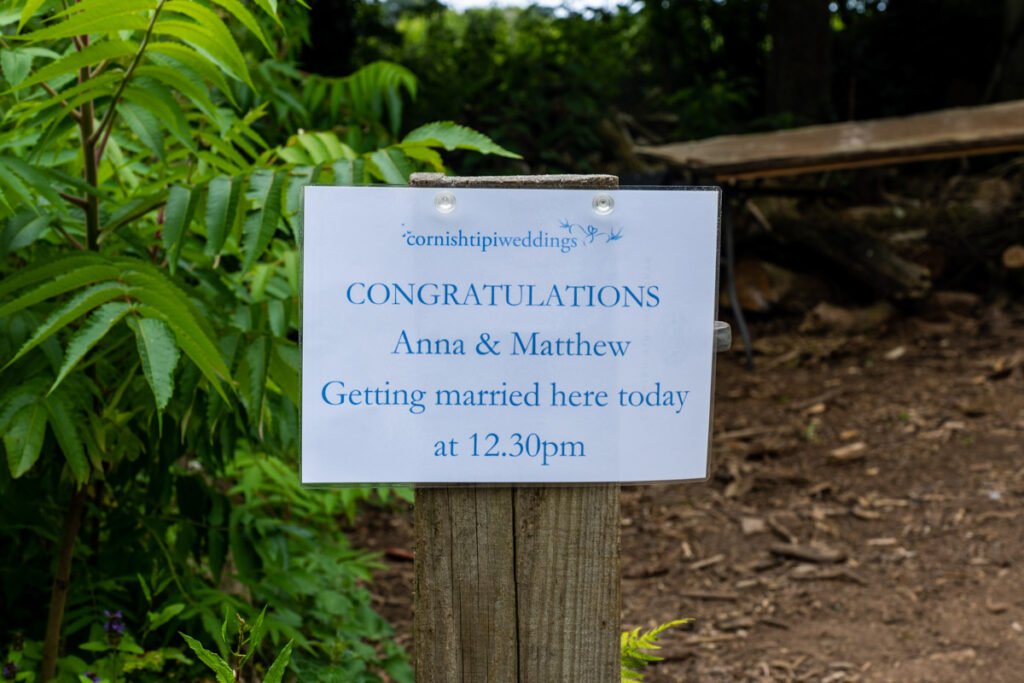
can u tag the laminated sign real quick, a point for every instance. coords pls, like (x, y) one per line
(507, 335)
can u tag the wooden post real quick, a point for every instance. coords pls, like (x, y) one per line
(517, 585)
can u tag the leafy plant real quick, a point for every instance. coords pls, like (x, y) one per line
(149, 276)
(635, 647)
(247, 641)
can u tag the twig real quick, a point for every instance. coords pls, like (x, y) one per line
(61, 582)
(108, 119)
(69, 237)
(77, 201)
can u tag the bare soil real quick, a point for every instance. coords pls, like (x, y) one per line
(863, 521)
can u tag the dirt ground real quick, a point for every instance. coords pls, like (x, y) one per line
(863, 519)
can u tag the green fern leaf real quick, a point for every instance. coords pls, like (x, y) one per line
(95, 16)
(392, 166)
(222, 199)
(181, 206)
(23, 438)
(240, 12)
(212, 40)
(194, 61)
(96, 327)
(144, 124)
(93, 54)
(632, 646)
(158, 353)
(451, 136)
(260, 225)
(49, 270)
(257, 357)
(75, 308)
(349, 172)
(64, 426)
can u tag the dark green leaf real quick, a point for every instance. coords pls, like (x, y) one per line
(349, 172)
(214, 662)
(49, 270)
(93, 54)
(96, 16)
(65, 428)
(257, 356)
(451, 136)
(158, 353)
(74, 308)
(23, 438)
(392, 165)
(222, 200)
(144, 124)
(276, 671)
(261, 224)
(100, 322)
(181, 206)
(23, 233)
(16, 65)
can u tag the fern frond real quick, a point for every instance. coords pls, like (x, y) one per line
(634, 647)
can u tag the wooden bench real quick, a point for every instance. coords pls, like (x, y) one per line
(729, 159)
(950, 133)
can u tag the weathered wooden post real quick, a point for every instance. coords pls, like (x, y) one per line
(517, 585)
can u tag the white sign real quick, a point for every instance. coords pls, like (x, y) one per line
(507, 336)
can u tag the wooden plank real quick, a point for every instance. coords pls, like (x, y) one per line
(948, 133)
(517, 585)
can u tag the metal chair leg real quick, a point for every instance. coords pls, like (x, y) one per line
(730, 280)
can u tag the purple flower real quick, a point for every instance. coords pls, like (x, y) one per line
(95, 678)
(10, 670)
(114, 626)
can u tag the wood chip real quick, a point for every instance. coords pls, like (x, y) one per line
(807, 572)
(955, 657)
(707, 562)
(741, 623)
(882, 542)
(400, 554)
(780, 530)
(849, 453)
(749, 433)
(752, 525)
(808, 553)
(774, 623)
(865, 514)
(896, 353)
(995, 607)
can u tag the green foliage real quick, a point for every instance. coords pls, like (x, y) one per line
(635, 648)
(150, 198)
(248, 640)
